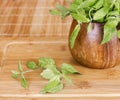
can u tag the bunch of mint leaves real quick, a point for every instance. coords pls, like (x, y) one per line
(49, 72)
(87, 11)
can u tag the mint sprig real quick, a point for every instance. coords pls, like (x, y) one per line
(20, 73)
(87, 11)
(49, 72)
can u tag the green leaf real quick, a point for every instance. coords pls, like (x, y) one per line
(53, 86)
(20, 66)
(80, 17)
(49, 66)
(118, 34)
(109, 30)
(15, 74)
(55, 12)
(113, 13)
(73, 8)
(24, 82)
(99, 4)
(68, 69)
(44, 62)
(74, 35)
(117, 6)
(101, 13)
(63, 10)
(49, 73)
(31, 65)
(77, 2)
(87, 3)
(67, 79)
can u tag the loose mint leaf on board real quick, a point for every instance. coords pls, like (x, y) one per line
(15, 74)
(31, 65)
(53, 86)
(43, 62)
(20, 66)
(68, 69)
(48, 73)
(24, 82)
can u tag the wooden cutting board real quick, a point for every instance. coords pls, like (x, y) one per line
(27, 32)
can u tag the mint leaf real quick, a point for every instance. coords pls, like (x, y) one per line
(118, 34)
(63, 10)
(99, 4)
(68, 69)
(74, 35)
(43, 62)
(31, 65)
(80, 17)
(87, 3)
(53, 86)
(49, 66)
(54, 89)
(48, 74)
(20, 66)
(15, 74)
(109, 30)
(55, 12)
(77, 2)
(24, 82)
(100, 14)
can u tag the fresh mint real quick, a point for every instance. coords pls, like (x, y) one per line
(20, 66)
(20, 73)
(24, 82)
(44, 62)
(15, 74)
(118, 34)
(68, 69)
(53, 86)
(87, 11)
(109, 30)
(74, 35)
(49, 72)
(31, 65)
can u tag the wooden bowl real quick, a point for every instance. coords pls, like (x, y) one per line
(88, 50)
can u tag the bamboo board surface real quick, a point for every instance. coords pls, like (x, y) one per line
(28, 31)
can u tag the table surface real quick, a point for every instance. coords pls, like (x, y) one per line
(28, 31)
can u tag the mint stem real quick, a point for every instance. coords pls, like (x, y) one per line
(28, 71)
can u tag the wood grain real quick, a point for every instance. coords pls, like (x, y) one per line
(87, 98)
(31, 18)
(27, 32)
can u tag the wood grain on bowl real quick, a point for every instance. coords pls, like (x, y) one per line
(89, 51)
